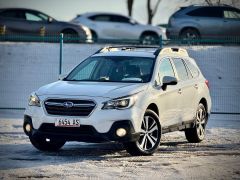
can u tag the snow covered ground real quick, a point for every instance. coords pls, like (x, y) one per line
(217, 157)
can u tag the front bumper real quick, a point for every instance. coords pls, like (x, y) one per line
(84, 133)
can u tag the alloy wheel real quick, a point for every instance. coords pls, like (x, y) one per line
(200, 122)
(149, 134)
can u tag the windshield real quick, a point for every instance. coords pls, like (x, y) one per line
(113, 69)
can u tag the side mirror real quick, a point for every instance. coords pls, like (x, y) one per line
(132, 22)
(62, 77)
(50, 19)
(168, 80)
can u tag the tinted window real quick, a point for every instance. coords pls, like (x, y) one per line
(35, 16)
(181, 69)
(165, 69)
(120, 19)
(192, 68)
(12, 14)
(231, 14)
(206, 12)
(100, 18)
(32, 17)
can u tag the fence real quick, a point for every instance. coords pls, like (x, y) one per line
(26, 66)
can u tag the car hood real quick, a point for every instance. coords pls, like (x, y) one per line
(91, 89)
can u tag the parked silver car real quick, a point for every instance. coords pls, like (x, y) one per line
(196, 22)
(23, 21)
(110, 27)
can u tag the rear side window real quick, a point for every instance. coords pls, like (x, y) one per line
(181, 69)
(165, 69)
(119, 19)
(103, 18)
(16, 14)
(231, 14)
(207, 12)
(192, 68)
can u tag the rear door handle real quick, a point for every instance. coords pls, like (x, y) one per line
(180, 91)
(196, 86)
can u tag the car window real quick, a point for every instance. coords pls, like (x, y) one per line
(12, 14)
(119, 19)
(85, 72)
(193, 69)
(206, 12)
(166, 69)
(33, 17)
(231, 14)
(181, 69)
(104, 18)
(114, 69)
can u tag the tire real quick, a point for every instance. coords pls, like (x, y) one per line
(190, 34)
(94, 36)
(197, 133)
(149, 140)
(149, 39)
(70, 35)
(43, 145)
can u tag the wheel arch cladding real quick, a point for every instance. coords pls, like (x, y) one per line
(154, 108)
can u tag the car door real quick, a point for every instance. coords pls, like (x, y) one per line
(231, 21)
(187, 89)
(103, 26)
(124, 28)
(35, 24)
(168, 100)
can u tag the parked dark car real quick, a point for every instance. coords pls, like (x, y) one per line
(31, 22)
(195, 22)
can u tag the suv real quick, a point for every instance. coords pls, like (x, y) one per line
(125, 94)
(109, 27)
(196, 22)
(22, 21)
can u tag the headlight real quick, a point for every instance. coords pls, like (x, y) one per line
(120, 103)
(34, 100)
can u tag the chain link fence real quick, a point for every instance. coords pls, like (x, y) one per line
(31, 62)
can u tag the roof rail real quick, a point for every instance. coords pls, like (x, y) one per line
(122, 48)
(174, 51)
(214, 4)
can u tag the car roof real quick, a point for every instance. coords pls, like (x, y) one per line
(25, 9)
(141, 51)
(147, 54)
(100, 13)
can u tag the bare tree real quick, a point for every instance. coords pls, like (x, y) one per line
(212, 2)
(151, 11)
(130, 6)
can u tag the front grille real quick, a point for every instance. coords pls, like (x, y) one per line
(69, 107)
(82, 130)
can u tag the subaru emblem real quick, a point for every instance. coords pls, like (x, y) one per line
(68, 104)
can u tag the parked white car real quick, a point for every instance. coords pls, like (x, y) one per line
(125, 94)
(106, 26)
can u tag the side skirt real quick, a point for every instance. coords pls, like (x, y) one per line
(178, 127)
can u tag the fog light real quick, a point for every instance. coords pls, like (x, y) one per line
(28, 128)
(121, 132)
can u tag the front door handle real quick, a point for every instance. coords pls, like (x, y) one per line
(196, 86)
(180, 91)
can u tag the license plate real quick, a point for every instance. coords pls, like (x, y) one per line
(66, 122)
